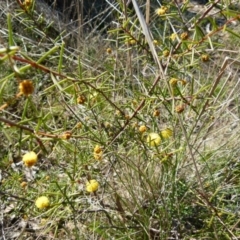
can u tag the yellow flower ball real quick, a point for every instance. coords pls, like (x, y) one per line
(42, 202)
(166, 53)
(161, 11)
(173, 82)
(166, 133)
(27, 4)
(30, 159)
(173, 36)
(97, 149)
(92, 186)
(153, 139)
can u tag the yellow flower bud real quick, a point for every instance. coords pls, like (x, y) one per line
(184, 36)
(205, 57)
(142, 129)
(81, 99)
(26, 87)
(173, 82)
(79, 125)
(127, 117)
(109, 50)
(155, 42)
(132, 41)
(173, 36)
(156, 113)
(98, 153)
(166, 53)
(97, 149)
(183, 82)
(179, 108)
(27, 4)
(66, 135)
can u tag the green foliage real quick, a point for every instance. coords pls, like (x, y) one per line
(86, 105)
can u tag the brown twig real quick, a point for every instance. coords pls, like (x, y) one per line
(14, 196)
(23, 127)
